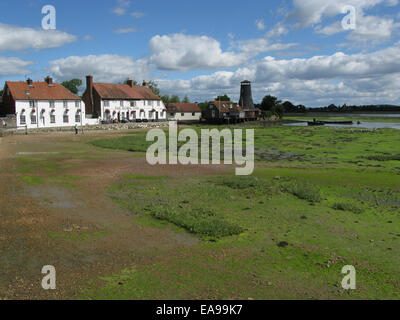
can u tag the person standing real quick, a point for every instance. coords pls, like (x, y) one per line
(76, 129)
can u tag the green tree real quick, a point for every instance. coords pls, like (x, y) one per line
(279, 110)
(186, 99)
(269, 103)
(223, 98)
(72, 85)
(204, 105)
(165, 98)
(175, 99)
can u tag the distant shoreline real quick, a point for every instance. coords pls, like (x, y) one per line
(316, 113)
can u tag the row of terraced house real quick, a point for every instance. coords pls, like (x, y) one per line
(48, 104)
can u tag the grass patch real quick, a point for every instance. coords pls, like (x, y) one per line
(33, 180)
(83, 236)
(383, 157)
(242, 182)
(65, 181)
(198, 221)
(304, 191)
(347, 206)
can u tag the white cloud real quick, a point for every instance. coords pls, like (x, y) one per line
(121, 8)
(14, 38)
(14, 66)
(186, 52)
(260, 24)
(277, 31)
(254, 47)
(104, 68)
(125, 30)
(311, 12)
(320, 80)
(369, 29)
(137, 14)
(88, 37)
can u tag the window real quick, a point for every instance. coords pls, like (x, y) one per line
(52, 118)
(193, 114)
(133, 103)
(22, 119)
(77, 104)
(171, 114)
(31, 104)
(65, 104)
(182, 114)
(158, 103)
(78, 117)
(65, 118)
(106, 103)
(121, 103)
(33, 119)
(52, 104)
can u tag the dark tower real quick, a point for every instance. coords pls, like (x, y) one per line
(246, 97)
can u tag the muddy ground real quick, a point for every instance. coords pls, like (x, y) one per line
(31, 216)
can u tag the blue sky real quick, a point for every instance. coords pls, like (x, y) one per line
(294, 49)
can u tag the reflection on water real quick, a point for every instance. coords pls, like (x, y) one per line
(366, 125)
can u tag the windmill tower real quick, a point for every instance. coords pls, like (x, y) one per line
(246, 97)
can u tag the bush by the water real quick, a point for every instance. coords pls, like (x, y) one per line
(198, 221)
(347, 206)
(304, 191)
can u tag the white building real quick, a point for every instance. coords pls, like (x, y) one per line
(123, 102)
(183, 112)
(42, 104)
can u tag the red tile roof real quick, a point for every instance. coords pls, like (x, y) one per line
(20, 90)
(226, 106)
(183, 107)
(124, 91)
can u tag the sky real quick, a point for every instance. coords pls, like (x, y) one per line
(310, 52)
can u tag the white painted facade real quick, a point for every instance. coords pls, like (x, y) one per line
(184, 116)
(150, 110)
(50, 113)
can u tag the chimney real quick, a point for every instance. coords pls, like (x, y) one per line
(246, 97)
(130, 83)
(29, 81)
(89, 90)
(49, 80)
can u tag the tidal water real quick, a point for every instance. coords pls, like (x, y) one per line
(365, 125)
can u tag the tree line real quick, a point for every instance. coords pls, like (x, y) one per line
(345, 108)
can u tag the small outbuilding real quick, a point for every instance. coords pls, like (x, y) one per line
(183, 112)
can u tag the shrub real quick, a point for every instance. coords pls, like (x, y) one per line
(347, 206)
(242, 182)
(382, 157)
(304, 191)
(199, 221)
